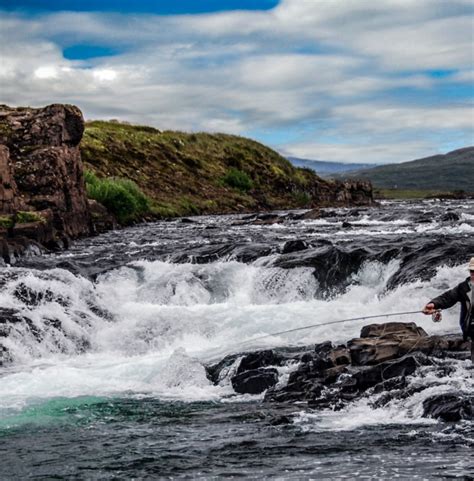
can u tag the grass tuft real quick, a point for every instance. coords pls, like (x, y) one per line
(122, 197)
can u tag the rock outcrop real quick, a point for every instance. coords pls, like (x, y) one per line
(328, 376)
(41, 172)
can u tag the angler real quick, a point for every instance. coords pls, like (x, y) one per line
(463, 293)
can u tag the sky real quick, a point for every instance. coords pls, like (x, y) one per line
(373, 81)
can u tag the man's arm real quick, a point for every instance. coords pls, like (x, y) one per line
(447, 299)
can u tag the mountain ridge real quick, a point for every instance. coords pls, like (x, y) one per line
(324, 167)
(453, 171)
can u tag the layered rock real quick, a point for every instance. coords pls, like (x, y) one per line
(9, 197)
(328, 376)
(41, 171)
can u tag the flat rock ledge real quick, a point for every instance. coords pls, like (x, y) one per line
(329, 376)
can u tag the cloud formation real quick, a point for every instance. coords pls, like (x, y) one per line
(350, 81)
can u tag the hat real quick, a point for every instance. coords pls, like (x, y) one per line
(471, 264)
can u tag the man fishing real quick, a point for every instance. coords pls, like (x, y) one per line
(463, 293)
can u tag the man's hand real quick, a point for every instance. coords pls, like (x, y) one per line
(429, 309)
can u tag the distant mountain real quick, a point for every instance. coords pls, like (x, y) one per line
(325, 168)
(448, 172)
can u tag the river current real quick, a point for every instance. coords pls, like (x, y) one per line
(103, 347)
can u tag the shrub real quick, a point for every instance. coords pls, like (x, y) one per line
(121, 197)
(238, 180)
(302, 198)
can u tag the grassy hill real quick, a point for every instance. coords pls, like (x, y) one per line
(453, 171)
(194, 173)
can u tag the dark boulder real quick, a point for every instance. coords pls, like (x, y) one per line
(451, 407)
(450, 216)
(294, 246)
(255, 381)
(256, 360)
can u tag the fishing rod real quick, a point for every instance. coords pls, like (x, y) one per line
(327, 324)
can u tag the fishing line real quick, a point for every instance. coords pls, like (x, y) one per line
(327, 324)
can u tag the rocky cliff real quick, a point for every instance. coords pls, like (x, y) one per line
(42, 194)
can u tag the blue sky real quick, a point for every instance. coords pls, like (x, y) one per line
(351, 81)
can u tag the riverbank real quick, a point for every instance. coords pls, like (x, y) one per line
(139, 174)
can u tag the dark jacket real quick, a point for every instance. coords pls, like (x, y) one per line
(461, 293)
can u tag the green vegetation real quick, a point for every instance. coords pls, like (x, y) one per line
(22, 217)
(197, 173)
(6, 221)
(238, 179)
(121, 197)
(403, 194)
(440, 173)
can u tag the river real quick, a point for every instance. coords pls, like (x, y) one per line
(104, 347)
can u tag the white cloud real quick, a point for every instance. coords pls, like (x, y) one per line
(331, 68)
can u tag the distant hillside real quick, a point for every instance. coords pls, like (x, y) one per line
(449, 172)
(325, 168)
(197, 173)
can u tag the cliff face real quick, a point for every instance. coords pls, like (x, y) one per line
(189, 173)
(41, 174)
(9, 197)
(46, 163)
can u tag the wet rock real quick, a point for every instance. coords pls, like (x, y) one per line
(451, 407)
(369, 376)
(254, 381)
(310, 215)
(268, 219)
(346, 225)
(403, 329)
(280, 420)
(294, 246)
(450, 217)
(31, 297)
(256, 360)
(214, 371)
(329, 376)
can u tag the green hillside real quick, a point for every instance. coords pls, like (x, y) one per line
(194, 173)
(453, 171)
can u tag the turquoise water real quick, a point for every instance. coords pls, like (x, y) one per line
(99, 438)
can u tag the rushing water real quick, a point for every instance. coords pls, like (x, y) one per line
(104, 347)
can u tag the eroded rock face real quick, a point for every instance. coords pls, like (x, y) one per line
(41, 170)
(9, 200)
